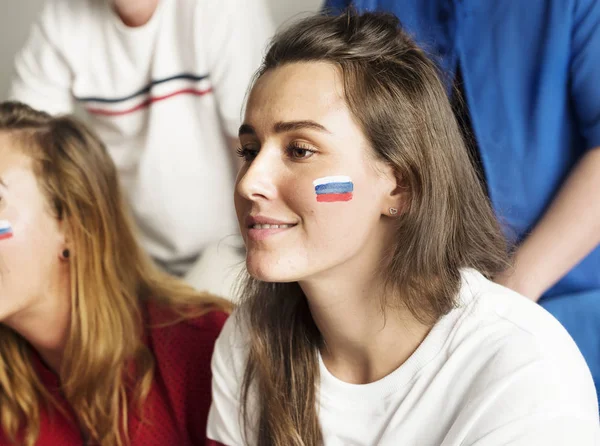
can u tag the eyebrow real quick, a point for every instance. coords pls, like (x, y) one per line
(2, 183)
(287, 126)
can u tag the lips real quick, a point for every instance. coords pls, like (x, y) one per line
(262, 222)
(261, 227)
(270, 226)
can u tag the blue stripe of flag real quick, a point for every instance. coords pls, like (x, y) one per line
(334, 188)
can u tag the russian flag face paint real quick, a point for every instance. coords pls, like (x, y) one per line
(335, 188)
(5, 230)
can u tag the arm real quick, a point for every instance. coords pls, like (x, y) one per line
(568, 231)
(42, 77)
(570, 228)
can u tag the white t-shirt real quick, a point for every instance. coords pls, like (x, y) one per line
(497, 370)
(162, 97)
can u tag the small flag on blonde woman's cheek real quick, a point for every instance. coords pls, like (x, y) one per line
(5, 230)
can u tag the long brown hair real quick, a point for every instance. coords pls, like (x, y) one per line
(110, 278)
(395, 93)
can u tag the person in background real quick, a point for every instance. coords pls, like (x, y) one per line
(369, 317)
(162, 83)
(98, 346)
(527, 93)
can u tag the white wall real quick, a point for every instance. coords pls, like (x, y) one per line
(16, 16)
(283, 10)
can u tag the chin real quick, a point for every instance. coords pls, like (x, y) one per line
(6, 312)
(270, 275)
(271, 271)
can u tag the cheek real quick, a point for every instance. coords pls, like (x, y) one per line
(11, 237)
(8, 244)
(6, 230)
(240, 205)
(18, 265)
(30, 249)
(342, 213)
(25, 267)
(334, 189)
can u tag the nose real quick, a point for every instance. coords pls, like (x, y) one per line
(257, 180)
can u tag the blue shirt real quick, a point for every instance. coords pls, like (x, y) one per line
(531, 74)
(531, 71)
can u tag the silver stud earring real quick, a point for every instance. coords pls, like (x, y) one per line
(393, 211)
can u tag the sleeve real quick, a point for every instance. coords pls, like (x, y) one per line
(42, 77)
(335, 6)
(233, 35)
(585, 69)
(224, 426)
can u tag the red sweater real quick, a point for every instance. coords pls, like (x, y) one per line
(177, 406)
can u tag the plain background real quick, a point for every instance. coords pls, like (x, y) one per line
(17, 16)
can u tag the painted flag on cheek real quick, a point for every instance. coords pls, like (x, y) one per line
(334, 188)
(5, 230)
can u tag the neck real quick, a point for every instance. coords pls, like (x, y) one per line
(134, 13)
(363, 341)
(45, 325)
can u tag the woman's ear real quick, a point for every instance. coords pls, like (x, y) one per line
(64, 241)
(396, 196)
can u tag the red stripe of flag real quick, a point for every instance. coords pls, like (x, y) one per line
(329, 198)
(147, 102)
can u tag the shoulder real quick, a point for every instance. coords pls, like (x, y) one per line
(516, 316)
(71, 11)
(497, 315)
(213, 13)
(519, 360)
(183, 349)
(211, 322)
(234, 336)
(66, 24)
(232, 348)
(228, 367)
(177, 335)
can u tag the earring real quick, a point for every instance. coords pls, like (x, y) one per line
(393, 211)
(66, 254)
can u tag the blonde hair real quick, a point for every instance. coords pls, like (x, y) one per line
(110, 279)
(395, 94)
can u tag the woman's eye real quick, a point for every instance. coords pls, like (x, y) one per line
(300, 152)
(247, 153)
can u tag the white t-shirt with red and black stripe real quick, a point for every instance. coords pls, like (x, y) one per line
(496, 370)
(162, 96)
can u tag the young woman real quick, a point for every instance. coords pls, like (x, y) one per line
(97, 347)
(369, 317)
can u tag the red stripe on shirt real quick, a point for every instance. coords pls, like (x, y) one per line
(147, 102)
